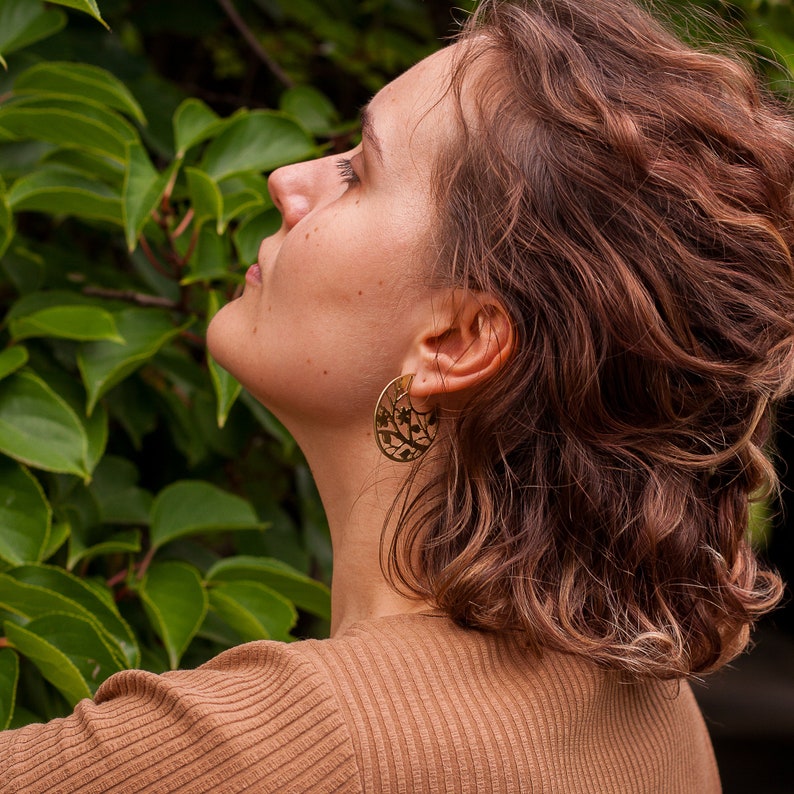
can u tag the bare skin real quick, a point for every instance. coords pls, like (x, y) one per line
(338, 305)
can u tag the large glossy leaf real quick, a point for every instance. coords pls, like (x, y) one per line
(309, 106)
(250, 233)
(206, 198)
(73, 637)
(38, 428)
(227, 388)
(61, 191)
(210, 259)
(304, 592)
(190, 507)
(95, 426)
(118, 497)
(257, 141)
(79, 80)
(53, 664)
(253, 610)
(143, 189)
(23, 22)
(12, 359)
(94, 166)
(81, 546)
(176, 603)
(25, 515)
(82, 323)
(88, 6)
(9, 676)
(33, 591)
(193, 123)
(81, 125)
(6, 220)
(104, 364)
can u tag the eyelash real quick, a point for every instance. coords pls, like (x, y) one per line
(349, 176)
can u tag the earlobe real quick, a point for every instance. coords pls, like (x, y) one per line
(471, 340)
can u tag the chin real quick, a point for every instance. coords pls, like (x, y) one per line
(219, 337)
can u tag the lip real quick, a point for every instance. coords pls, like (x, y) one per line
(253, 275)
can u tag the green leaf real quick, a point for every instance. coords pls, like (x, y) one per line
(88, 6)
(30, 412)
(193, 123)
(210, 259)
(237, 202)
(82, 548)
(206, 198)
(83, 323)
(95, 426)
(190, 507)
(81, 125)
(311, 108)
(7, 230)
(79, 80)
(25, 515)
(226, 387)
(95, 167)
(250, 233)
(23, 22)
(176, 603)
(104, 364)
(119, 499)
(9, 676)
(12, 359)
(33, 591)
(253, 610)
(143, 190)
(69, 652)
(61, 191)
(58, 536)
(257, 141)
(304, 592)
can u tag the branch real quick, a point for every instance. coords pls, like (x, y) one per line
(254, 43)
(139, 298)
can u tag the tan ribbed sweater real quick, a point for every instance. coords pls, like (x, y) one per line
(407, 703)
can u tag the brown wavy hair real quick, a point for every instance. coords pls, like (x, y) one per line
(629, 201)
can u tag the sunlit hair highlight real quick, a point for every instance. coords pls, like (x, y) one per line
(629, 201)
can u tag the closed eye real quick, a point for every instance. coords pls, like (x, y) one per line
(345, 166)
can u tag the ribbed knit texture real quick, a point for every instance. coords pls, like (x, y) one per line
(406, 703)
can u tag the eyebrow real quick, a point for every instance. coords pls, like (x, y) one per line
(368, 132)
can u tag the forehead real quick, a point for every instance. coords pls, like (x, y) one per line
(416, 110)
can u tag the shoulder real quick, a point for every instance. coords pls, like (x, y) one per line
(416, 689)
(258, 717)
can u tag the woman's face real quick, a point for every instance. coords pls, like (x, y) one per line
(338, 298)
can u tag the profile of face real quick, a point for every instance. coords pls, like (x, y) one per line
(334, 307)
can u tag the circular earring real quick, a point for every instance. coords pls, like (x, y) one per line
(403, 433)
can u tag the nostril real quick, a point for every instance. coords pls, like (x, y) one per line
(288, 194)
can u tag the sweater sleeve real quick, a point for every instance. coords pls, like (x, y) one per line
(259, 717)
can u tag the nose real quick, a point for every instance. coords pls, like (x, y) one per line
(298, 189)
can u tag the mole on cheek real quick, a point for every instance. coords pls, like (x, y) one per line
(255, 330)
(360, 292)
(307, 235)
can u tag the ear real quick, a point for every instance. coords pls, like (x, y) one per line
(470, 340)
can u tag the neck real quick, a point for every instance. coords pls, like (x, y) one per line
(358, 486)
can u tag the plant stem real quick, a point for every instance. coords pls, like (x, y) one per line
(254, 43)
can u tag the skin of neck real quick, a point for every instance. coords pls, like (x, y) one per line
(358, 486)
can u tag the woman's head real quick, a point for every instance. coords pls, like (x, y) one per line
(629, 202)
(339, 302)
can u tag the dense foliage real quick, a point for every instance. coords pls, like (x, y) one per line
(151, 513)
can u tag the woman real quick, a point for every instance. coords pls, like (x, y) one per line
(527, 335)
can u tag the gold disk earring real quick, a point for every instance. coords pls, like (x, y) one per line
(403, 433)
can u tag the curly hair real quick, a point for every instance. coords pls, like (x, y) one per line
(628, 199)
